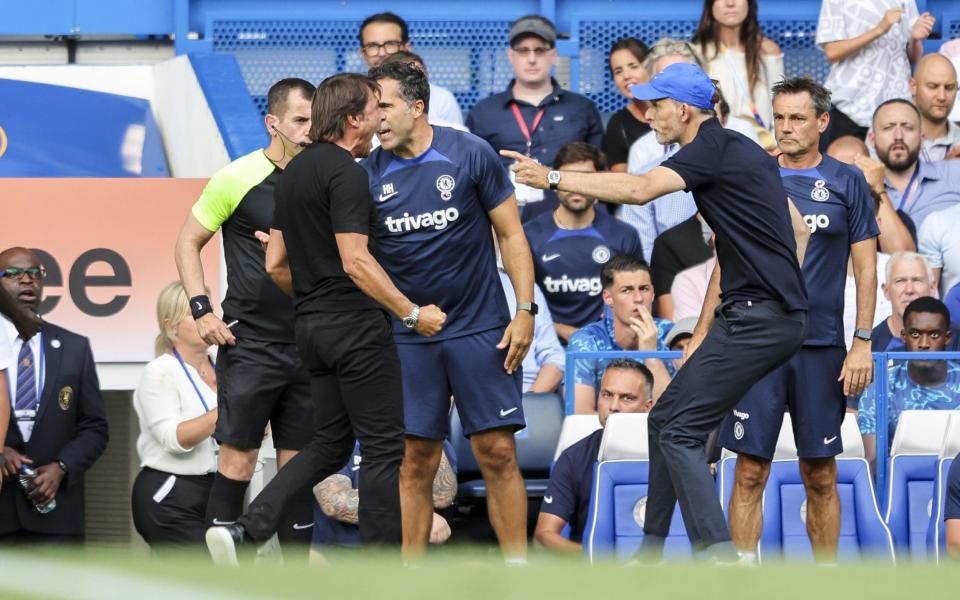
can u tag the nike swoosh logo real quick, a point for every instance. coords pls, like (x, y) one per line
(504, 413)
(356, 468)
(385, 197)
(298, 526)
(548, 499)
(829, 440)
(222, 523)
(549, 257)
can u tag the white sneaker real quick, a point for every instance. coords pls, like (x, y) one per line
(222, 546)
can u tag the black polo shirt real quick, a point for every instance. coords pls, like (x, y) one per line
(738, 190)
(322, 192)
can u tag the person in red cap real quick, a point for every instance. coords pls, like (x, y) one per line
(755, 313)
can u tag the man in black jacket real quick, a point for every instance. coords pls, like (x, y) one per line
(58, 426)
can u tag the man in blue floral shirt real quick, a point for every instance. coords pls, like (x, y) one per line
(914, 384)
(626, 325)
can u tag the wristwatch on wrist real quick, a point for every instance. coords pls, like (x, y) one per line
(530, 307)
(863, 334)
(63, 466)
(553, 178)
(410, 321)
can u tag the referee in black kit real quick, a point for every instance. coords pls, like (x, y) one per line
(760, 321)
(319, 252)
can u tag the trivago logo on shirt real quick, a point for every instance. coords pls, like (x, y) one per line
(571, 285)
(437, 219)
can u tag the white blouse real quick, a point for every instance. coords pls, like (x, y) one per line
(164, 399)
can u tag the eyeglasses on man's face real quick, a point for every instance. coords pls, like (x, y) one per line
(16, 273)
(390, 47)
(538, 51)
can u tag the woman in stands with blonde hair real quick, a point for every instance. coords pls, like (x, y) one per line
(746, 64)
(176, 404)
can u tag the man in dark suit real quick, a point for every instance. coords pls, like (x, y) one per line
(58, 425)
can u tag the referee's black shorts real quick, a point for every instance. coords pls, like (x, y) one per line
(260, 382)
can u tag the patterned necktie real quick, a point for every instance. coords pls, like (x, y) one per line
(26, 380)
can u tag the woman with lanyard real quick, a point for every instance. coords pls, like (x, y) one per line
(176, 404)
(745, 64)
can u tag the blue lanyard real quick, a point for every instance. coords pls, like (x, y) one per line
(183, 366)
(909, 188)
(40, 369)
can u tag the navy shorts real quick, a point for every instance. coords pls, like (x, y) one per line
(951, 509)
(469, 368)
(807, 386)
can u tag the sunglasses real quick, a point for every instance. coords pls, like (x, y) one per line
(16, 273)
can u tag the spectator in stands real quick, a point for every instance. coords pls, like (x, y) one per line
(951, 512)
(908, 277)
(534, 115)
(544, 364)
(627, 324)
(59, 425)
(689, 287)
(916, 187)
(625, 388)
(571, 244)
(628, 124)
(679, 337)
(870, 45)
(386, 33)
(934, 89)
(682, 247)
(940, 244)
(176, 406)
(914, 384)
(734, 52)
(952, 300)
(336, 515)
(405, 57)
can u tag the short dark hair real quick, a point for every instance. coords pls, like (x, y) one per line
(621, 263)
(894, 101)
(280, 91)
(386, 17)
(413, 81)
(628, 364)
(580, 152)
(405, 57)
(927, 304)
(338, 97)
(819, 95)
(638, 49)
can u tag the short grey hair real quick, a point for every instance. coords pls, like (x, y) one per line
(670, 47)
(903, 255)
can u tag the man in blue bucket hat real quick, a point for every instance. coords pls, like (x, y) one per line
(754, 314)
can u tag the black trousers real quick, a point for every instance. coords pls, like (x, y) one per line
(747, 341)
(174, 518)
(840, 125)
(355, 382)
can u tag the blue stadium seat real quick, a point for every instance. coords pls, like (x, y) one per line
(617, 510)
(535, 447)
(909, 503)
(936, 540)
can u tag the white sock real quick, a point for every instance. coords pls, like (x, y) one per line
(749, 558)
(516, 561)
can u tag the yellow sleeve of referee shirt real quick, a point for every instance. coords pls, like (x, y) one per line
(227, 188)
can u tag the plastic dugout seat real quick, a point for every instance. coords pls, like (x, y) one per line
(625, 437)
(617, 511)
(574, 429)
(951, 437)
(920, 432)
(936, 536)
(535, 446)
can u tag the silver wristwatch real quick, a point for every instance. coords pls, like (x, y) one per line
(410, 321)
(553, 178)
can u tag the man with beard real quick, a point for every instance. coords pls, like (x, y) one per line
(914, 384)
(322, 222)
(572, 243)
(934, 89)
(914, 186)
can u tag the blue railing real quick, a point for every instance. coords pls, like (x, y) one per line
(880, 378)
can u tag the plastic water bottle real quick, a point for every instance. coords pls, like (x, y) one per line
(27, 475)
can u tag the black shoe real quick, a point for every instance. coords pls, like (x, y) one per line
(223, 541)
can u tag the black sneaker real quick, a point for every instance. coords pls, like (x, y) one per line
(223, 541)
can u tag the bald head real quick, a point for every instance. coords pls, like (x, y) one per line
(26, 288)
(934, 88)
(847, 148)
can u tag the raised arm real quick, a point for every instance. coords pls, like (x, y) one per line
(622, 188)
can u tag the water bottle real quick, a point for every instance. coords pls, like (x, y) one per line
(27, 475)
